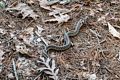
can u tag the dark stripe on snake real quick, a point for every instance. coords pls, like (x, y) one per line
(67, 36)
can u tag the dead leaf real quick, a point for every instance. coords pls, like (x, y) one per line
(27, 35)
(92, 12)
(30, 1)
(24, 9)
(39, 29)
(20, 47)
(113, 31)
(59, 18)
(45, 3)
(58, 11)
(99, 8)
(29, 30)
(2, 31)
(25, 66)
(47, 68)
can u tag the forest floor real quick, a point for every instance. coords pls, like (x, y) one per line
(95, 54)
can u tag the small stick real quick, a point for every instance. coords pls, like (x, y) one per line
(37, 77)
(14, 68)
(14, 3)
(42, 39)
(97, 35)
(29, 23)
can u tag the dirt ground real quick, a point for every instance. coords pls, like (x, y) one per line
(94, 54)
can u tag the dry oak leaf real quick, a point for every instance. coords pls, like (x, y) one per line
(113, 31)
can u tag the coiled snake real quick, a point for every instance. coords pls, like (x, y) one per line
(67, 36)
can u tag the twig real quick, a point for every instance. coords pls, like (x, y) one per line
(42, 39)
(14, 3)
(14, 68)
(37, 77)
(29, 23)
(97, 35)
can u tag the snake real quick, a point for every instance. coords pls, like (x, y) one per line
(67, 35)
(67, 44)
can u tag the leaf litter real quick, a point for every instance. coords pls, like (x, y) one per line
(23, 9)
(27, 41)
(60, 15)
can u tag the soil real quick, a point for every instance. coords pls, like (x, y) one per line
(95, 50)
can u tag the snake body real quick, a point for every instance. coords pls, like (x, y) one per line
(81, 21)
(67, 36)
(61, 48)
